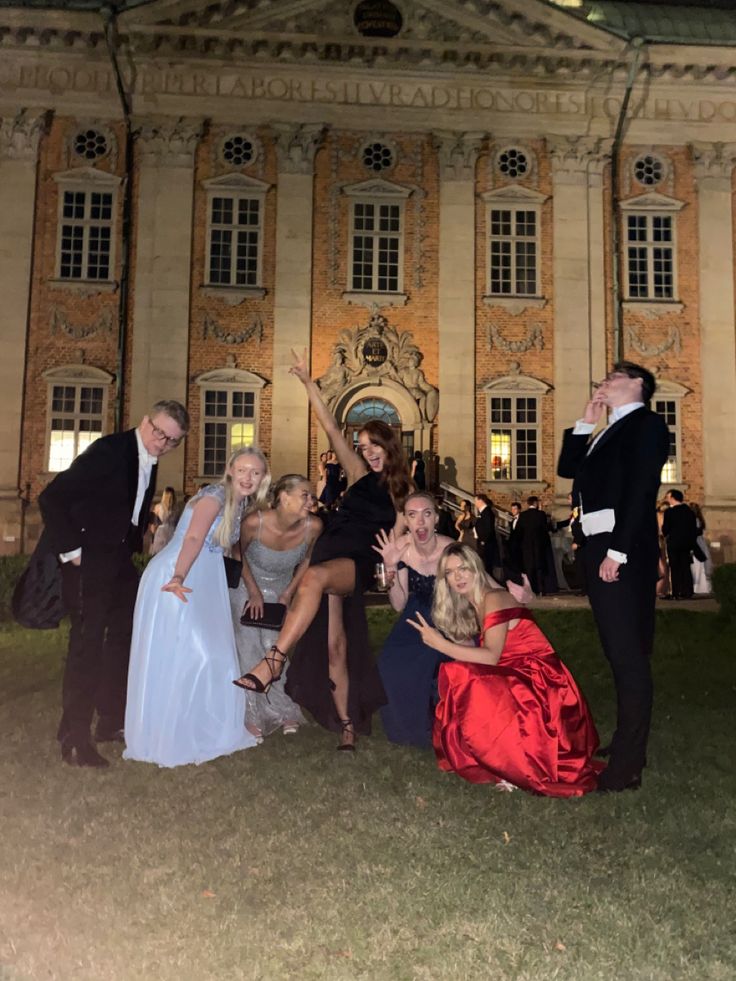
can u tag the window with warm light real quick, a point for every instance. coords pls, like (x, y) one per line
(514, 437)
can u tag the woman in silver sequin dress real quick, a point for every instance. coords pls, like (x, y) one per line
(275, 547)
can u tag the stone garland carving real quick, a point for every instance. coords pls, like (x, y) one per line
(172, 141)
(19, 135)
(420, 217)
(296, 146)
(574, 156)
(672, 341)
(534, 339)
(81, 332)
(212, 328)
(374, 353)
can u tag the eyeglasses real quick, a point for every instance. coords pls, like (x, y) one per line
(612, 376)
(461, 569)
(160, 434)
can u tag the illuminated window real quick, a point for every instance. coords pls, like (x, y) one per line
(77, 411)
(230, 407)
(514, 428)
(667, 402)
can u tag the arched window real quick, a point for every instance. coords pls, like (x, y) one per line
(372, 408)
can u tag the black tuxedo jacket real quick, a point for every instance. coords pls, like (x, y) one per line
(485, 525)
(679, 527)
(92, 502)
(623, 472)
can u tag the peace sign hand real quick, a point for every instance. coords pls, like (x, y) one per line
(430, 635)
(300, 368)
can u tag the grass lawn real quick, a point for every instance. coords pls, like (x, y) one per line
(294, 861)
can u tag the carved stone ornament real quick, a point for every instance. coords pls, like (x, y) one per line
(374, 353)
(458, 153)
(671, 342)
(81, 332)
(19, 135)
(211, 328)
(296, 146)
(534, 339)
(170, 141)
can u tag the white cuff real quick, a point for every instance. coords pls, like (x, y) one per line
(76, 553)
(619, 557)
(583, 428)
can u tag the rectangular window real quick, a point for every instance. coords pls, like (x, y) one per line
(85, 235)
(514, 247)
(650, 257)
(76, 422)
(229, 422)
(514, 438)
(234, 241)
(668, 409)
(376, 247)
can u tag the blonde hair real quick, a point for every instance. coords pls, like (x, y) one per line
(224, 531)
(453, 614)
(287, 484)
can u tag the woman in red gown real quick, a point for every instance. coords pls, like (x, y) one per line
(510, 712)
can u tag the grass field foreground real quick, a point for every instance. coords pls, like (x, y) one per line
(293, 861)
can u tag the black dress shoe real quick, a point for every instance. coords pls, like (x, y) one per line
(81, 754)
(103, 735)
(614, 787)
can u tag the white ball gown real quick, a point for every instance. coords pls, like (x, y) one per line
(182, 706)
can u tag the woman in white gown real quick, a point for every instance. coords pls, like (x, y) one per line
(181, 706)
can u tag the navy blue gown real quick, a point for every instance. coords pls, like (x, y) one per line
(408, 670)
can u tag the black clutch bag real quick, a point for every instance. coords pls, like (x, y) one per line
(272, 619)
(233, 568)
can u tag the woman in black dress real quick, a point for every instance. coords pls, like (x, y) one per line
(332, 673)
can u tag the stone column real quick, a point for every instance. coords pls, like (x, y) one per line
(713, 168)
(296, 147)
(578, 280)
(19, 136)
(163, 264)
(458, 153)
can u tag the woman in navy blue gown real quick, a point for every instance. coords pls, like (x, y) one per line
(407, 666)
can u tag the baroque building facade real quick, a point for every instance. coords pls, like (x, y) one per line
(464, 211)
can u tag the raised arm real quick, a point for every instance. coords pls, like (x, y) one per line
(351, 463)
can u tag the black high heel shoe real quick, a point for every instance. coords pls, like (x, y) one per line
(275, 666)
(348, 730)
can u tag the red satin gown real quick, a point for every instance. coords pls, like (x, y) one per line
(523, 720)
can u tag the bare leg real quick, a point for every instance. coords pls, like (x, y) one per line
(337, 651)
(336, 577)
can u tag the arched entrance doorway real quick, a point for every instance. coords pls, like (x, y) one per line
(377, 408)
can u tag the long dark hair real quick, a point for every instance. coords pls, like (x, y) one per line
(395, 470)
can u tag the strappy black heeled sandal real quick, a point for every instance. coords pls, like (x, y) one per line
(347, 728)
(275, 666)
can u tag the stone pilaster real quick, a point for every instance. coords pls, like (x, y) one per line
(19, 138)
(714, 164)
(165, 152)
(296, 147)
(458, 154)
(578, 278)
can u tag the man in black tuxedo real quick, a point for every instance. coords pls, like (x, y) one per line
(512, 552)
(485, 530)
(680, 530)
(533, 541)
(95, 514)
(616, 478)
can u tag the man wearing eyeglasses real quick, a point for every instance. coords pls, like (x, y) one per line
(95, 514)
(616, 478)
